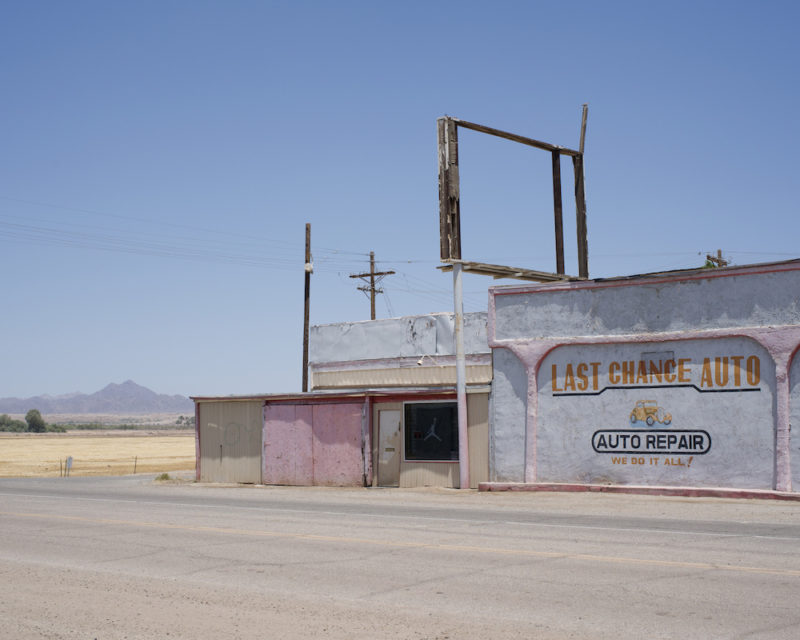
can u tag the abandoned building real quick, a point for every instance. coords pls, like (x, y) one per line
(677, 379)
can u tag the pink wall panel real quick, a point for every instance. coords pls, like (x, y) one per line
(338, 459)
(288, 457)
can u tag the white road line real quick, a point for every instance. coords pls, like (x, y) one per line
(414, 517)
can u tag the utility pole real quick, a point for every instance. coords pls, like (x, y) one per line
(370, 289)
(717, 260)
(309, 269)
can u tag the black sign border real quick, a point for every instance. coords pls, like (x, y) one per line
(649, 431)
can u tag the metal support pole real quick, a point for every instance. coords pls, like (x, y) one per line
(307, 306)
(461, 378)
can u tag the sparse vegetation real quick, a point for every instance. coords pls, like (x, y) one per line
(164, 477)
(36, 423)
(7, 423)
(99, 426)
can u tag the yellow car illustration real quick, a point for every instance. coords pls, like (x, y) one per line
(648, 411)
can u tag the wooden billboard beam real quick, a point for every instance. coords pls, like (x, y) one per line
(580, 203)
(450, 198)
(449, 191)
(515, 138)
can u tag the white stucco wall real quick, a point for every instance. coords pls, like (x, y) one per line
(395, 338)
(794, 385)
(734, 314)
(507, 418)
(664, 304)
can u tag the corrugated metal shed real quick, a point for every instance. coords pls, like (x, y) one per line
(229, 438)
(326, 438)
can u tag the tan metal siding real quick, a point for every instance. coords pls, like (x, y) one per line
(429, 474)
(230, 441)
(421, 376)
(375, 440)
(478, 418)
(446, 474)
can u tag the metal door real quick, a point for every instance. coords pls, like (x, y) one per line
(389, 444)
(288, 445)
(230, 441)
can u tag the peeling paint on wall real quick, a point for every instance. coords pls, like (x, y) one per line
(395, 338)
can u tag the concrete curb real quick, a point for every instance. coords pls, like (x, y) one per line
(689, 492)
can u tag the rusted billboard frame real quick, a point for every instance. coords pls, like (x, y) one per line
(450, 201)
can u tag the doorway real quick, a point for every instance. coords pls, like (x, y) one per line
(389, 448)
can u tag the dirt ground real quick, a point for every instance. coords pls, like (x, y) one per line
(108, 453)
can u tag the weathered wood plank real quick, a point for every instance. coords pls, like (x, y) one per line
(514, 137)
(449, 191)
(501, 271)
(557, 212)
(580, 218)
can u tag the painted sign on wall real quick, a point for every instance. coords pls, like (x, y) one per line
(694, 412)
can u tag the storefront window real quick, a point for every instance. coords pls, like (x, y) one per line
(431, 431)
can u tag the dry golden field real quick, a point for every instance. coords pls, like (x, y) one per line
(106, 454)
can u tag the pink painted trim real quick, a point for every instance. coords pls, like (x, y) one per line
(793, 355)
(532, 435)
(368, 443)
(490, 320)
(691, 492)
(316, 401)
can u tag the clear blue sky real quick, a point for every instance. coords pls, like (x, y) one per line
(160, 160)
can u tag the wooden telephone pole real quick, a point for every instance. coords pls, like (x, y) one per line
(370, 289)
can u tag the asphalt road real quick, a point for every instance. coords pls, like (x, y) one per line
(112, 558)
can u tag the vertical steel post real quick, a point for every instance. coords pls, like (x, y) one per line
(461, 377)
(307, 306)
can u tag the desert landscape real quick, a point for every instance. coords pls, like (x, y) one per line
(96, 453)
(119, 430)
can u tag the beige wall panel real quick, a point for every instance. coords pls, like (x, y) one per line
(230, 441)
(429, 474)
(398, 377)
(375, 436)
(478, 418)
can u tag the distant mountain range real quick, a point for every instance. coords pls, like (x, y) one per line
(127, 397)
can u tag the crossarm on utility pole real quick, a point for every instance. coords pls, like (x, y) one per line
(370, 289)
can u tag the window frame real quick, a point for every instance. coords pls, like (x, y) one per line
(454, 405)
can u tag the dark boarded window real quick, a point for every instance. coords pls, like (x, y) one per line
(431, 431)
